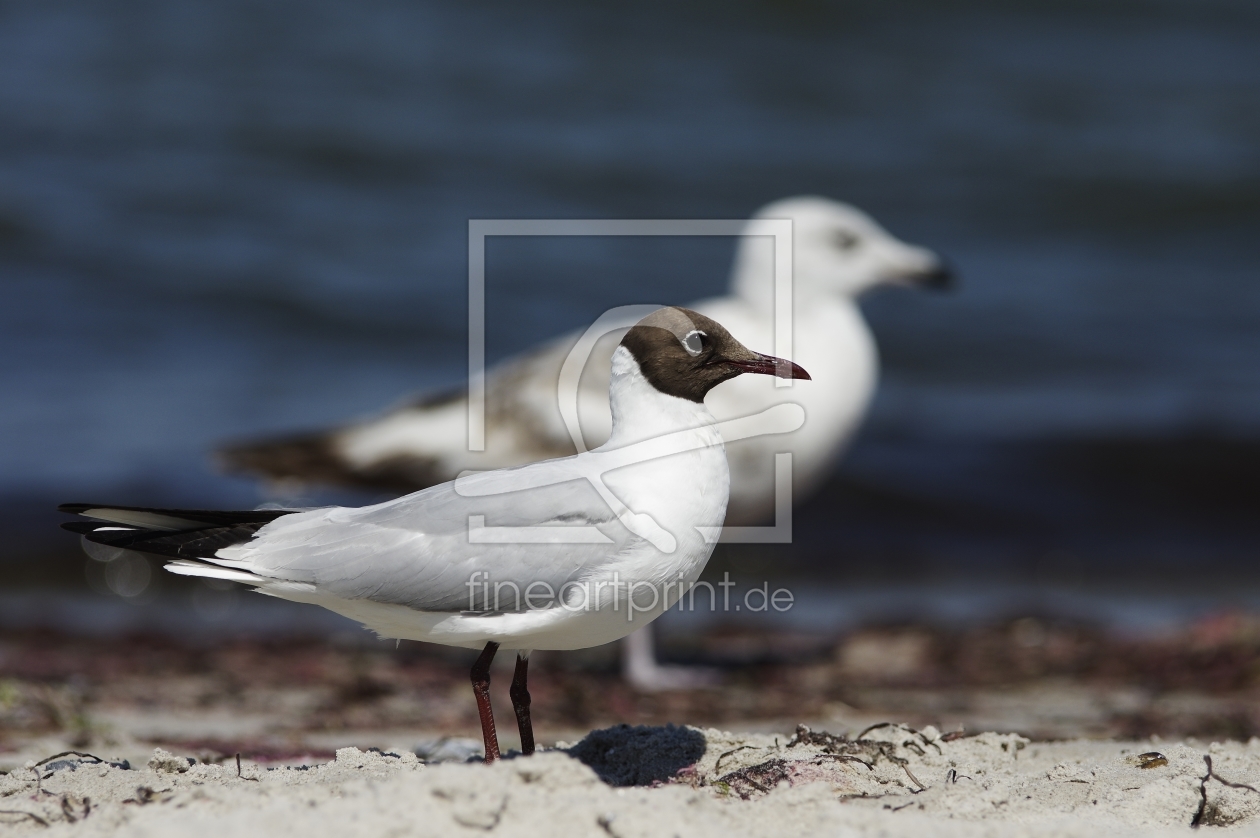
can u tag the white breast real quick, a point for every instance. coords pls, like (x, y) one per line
(683, 491)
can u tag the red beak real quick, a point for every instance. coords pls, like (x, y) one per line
(770, 365)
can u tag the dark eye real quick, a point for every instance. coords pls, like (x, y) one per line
(694, 342)
(844, 240)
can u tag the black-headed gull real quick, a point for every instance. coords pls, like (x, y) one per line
(839, 252)
(561, 554)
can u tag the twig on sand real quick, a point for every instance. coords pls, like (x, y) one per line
(238, 772)
(717, 765)
(30, 815)
(68, 754)
(847, 758)
(80, 754)
(910, 774)
(862, 735)
(1200, 815)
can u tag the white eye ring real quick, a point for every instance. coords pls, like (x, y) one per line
(693, 342)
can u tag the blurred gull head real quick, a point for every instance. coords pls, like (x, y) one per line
(839, 250)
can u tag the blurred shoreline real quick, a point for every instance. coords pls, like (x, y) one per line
(262, 688)
(225, 612)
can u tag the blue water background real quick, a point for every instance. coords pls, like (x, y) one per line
(223, 219)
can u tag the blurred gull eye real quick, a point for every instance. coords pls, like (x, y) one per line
(844, 240)
(694, 342)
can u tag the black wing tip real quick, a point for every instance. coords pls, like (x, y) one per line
(195, 517)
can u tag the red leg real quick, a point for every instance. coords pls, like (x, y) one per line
(520, 703)
(481, 691)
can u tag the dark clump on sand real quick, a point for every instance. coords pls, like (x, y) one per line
(641, 755)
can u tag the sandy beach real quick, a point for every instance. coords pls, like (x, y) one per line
(1020, 728)
(626, 781)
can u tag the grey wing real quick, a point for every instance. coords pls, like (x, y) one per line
(417, 551)
(424, 441)
(522, 395)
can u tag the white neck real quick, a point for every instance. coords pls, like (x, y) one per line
(640, 411)
(753, 277)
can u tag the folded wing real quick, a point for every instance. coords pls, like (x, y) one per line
(435, 550)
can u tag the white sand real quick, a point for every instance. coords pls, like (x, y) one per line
(917, 784)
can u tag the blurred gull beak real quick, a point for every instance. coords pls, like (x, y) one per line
(938, 278)
(921, 268)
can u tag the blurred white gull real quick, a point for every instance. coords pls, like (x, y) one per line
(839, 252)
